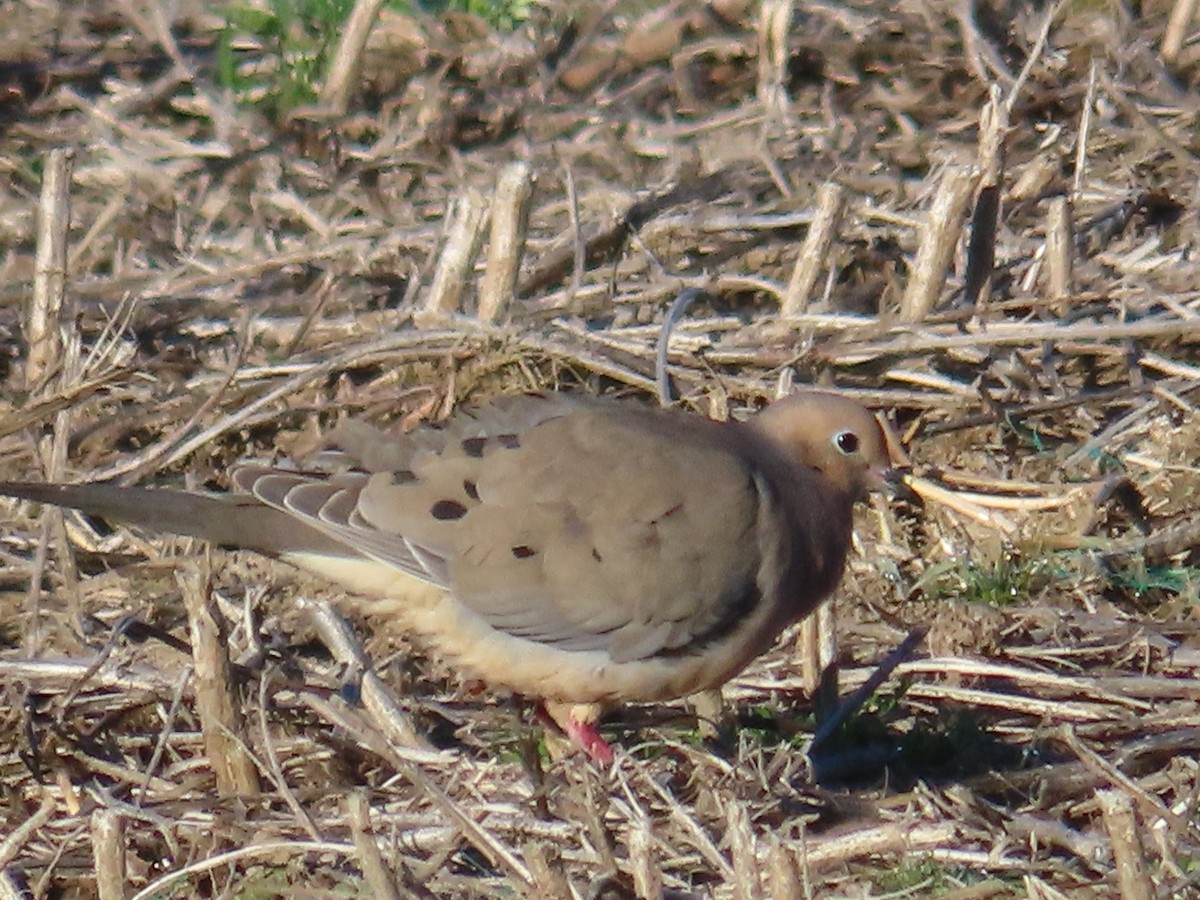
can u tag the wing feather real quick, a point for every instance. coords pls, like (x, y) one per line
(577, 525)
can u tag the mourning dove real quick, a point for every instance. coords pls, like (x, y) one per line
(580, 551)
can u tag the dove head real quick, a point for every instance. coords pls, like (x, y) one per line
(834, 435)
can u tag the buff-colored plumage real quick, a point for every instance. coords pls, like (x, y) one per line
(584, 552)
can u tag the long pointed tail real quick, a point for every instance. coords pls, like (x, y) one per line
(230, 520)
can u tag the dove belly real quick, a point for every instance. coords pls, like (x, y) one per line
(382, 590)
(465, 640)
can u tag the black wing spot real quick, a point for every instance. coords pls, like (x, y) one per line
(471, 490)
(596, 555)
(403, 476)
(473, 446)
(522, 551)
(445, 510)
(509, 441)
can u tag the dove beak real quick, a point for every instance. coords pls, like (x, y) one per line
(884, 479)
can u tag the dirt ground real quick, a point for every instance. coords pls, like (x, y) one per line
(979, 219)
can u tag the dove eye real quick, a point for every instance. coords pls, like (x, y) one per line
(846, 442)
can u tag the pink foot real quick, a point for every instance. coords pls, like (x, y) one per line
(582, 734)
(586, 736)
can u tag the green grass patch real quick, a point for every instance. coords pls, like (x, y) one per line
(297, 39)
(922, 874)
(274, 55)
(1147, 581)
(926, 877)
(1005, 581)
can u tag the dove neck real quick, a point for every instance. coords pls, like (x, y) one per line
(822, 522)
(811, 519)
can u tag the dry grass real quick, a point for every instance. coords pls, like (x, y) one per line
(986, 226)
